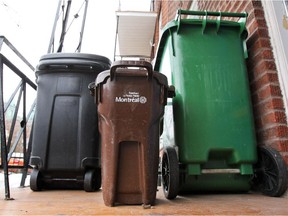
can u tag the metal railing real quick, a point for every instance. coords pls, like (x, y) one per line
(14, 136)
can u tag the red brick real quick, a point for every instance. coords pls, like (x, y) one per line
(267, 54)
(255, 42)
(278, 131)
(268, 91)
(274, 117)
(268, 105)
(243, 6)
(259, 95)
(250, 18)
(235, 5)
(252, 26)
(263, 32)
(264, 80)
(259, 13)
(255, 24)
(249, 7)
(255, 35)
(215, 6)
(209, 6)
(257, 4)
(200, 5)
(263, 55)
(228, 6)
(262, 67)
(186, 4)
(280, 145)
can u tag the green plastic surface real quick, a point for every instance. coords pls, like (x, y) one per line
(213, 117)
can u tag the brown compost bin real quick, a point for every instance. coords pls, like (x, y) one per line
(131, 99)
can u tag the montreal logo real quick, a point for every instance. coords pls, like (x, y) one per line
(141, 100)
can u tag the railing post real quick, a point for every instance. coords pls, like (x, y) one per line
(26, 158)
(3, 136)
(4, 142)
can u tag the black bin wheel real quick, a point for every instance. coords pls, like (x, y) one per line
(170, 173)
(92, 180)
(35, 180)
(270, 172)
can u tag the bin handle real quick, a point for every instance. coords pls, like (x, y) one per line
(242, 16)
(92, 87)
(122, 63)
(210, 13)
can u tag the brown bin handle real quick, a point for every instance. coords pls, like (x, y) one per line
(121, 64)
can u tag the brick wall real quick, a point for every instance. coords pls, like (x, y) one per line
(269, 112)
(167, 11)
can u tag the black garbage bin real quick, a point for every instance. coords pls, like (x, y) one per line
(65, 145)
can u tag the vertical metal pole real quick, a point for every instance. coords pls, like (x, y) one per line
(23, 124)
(14, 119)
(3, 136)
(1, 41)
(83, 26)
(63, 33)
(24, 120)
(54, 28)
(116, 36)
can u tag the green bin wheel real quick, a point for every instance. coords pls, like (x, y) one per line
(170, 173)
(270, 174)
(92, 180)
(35, 180)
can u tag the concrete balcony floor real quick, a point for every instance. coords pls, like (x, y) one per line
(77, 202)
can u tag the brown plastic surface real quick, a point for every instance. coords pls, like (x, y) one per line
(130, 109)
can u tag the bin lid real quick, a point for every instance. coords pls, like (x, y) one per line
(177, 24)
(103, 76)
(64, 60)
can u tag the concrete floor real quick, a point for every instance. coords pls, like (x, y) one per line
(73, 202)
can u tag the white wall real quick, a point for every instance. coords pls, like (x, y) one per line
(277, 22)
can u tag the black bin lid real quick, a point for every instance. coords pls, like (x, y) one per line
(56, 61)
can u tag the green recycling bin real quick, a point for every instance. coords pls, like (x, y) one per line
(215, 144)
